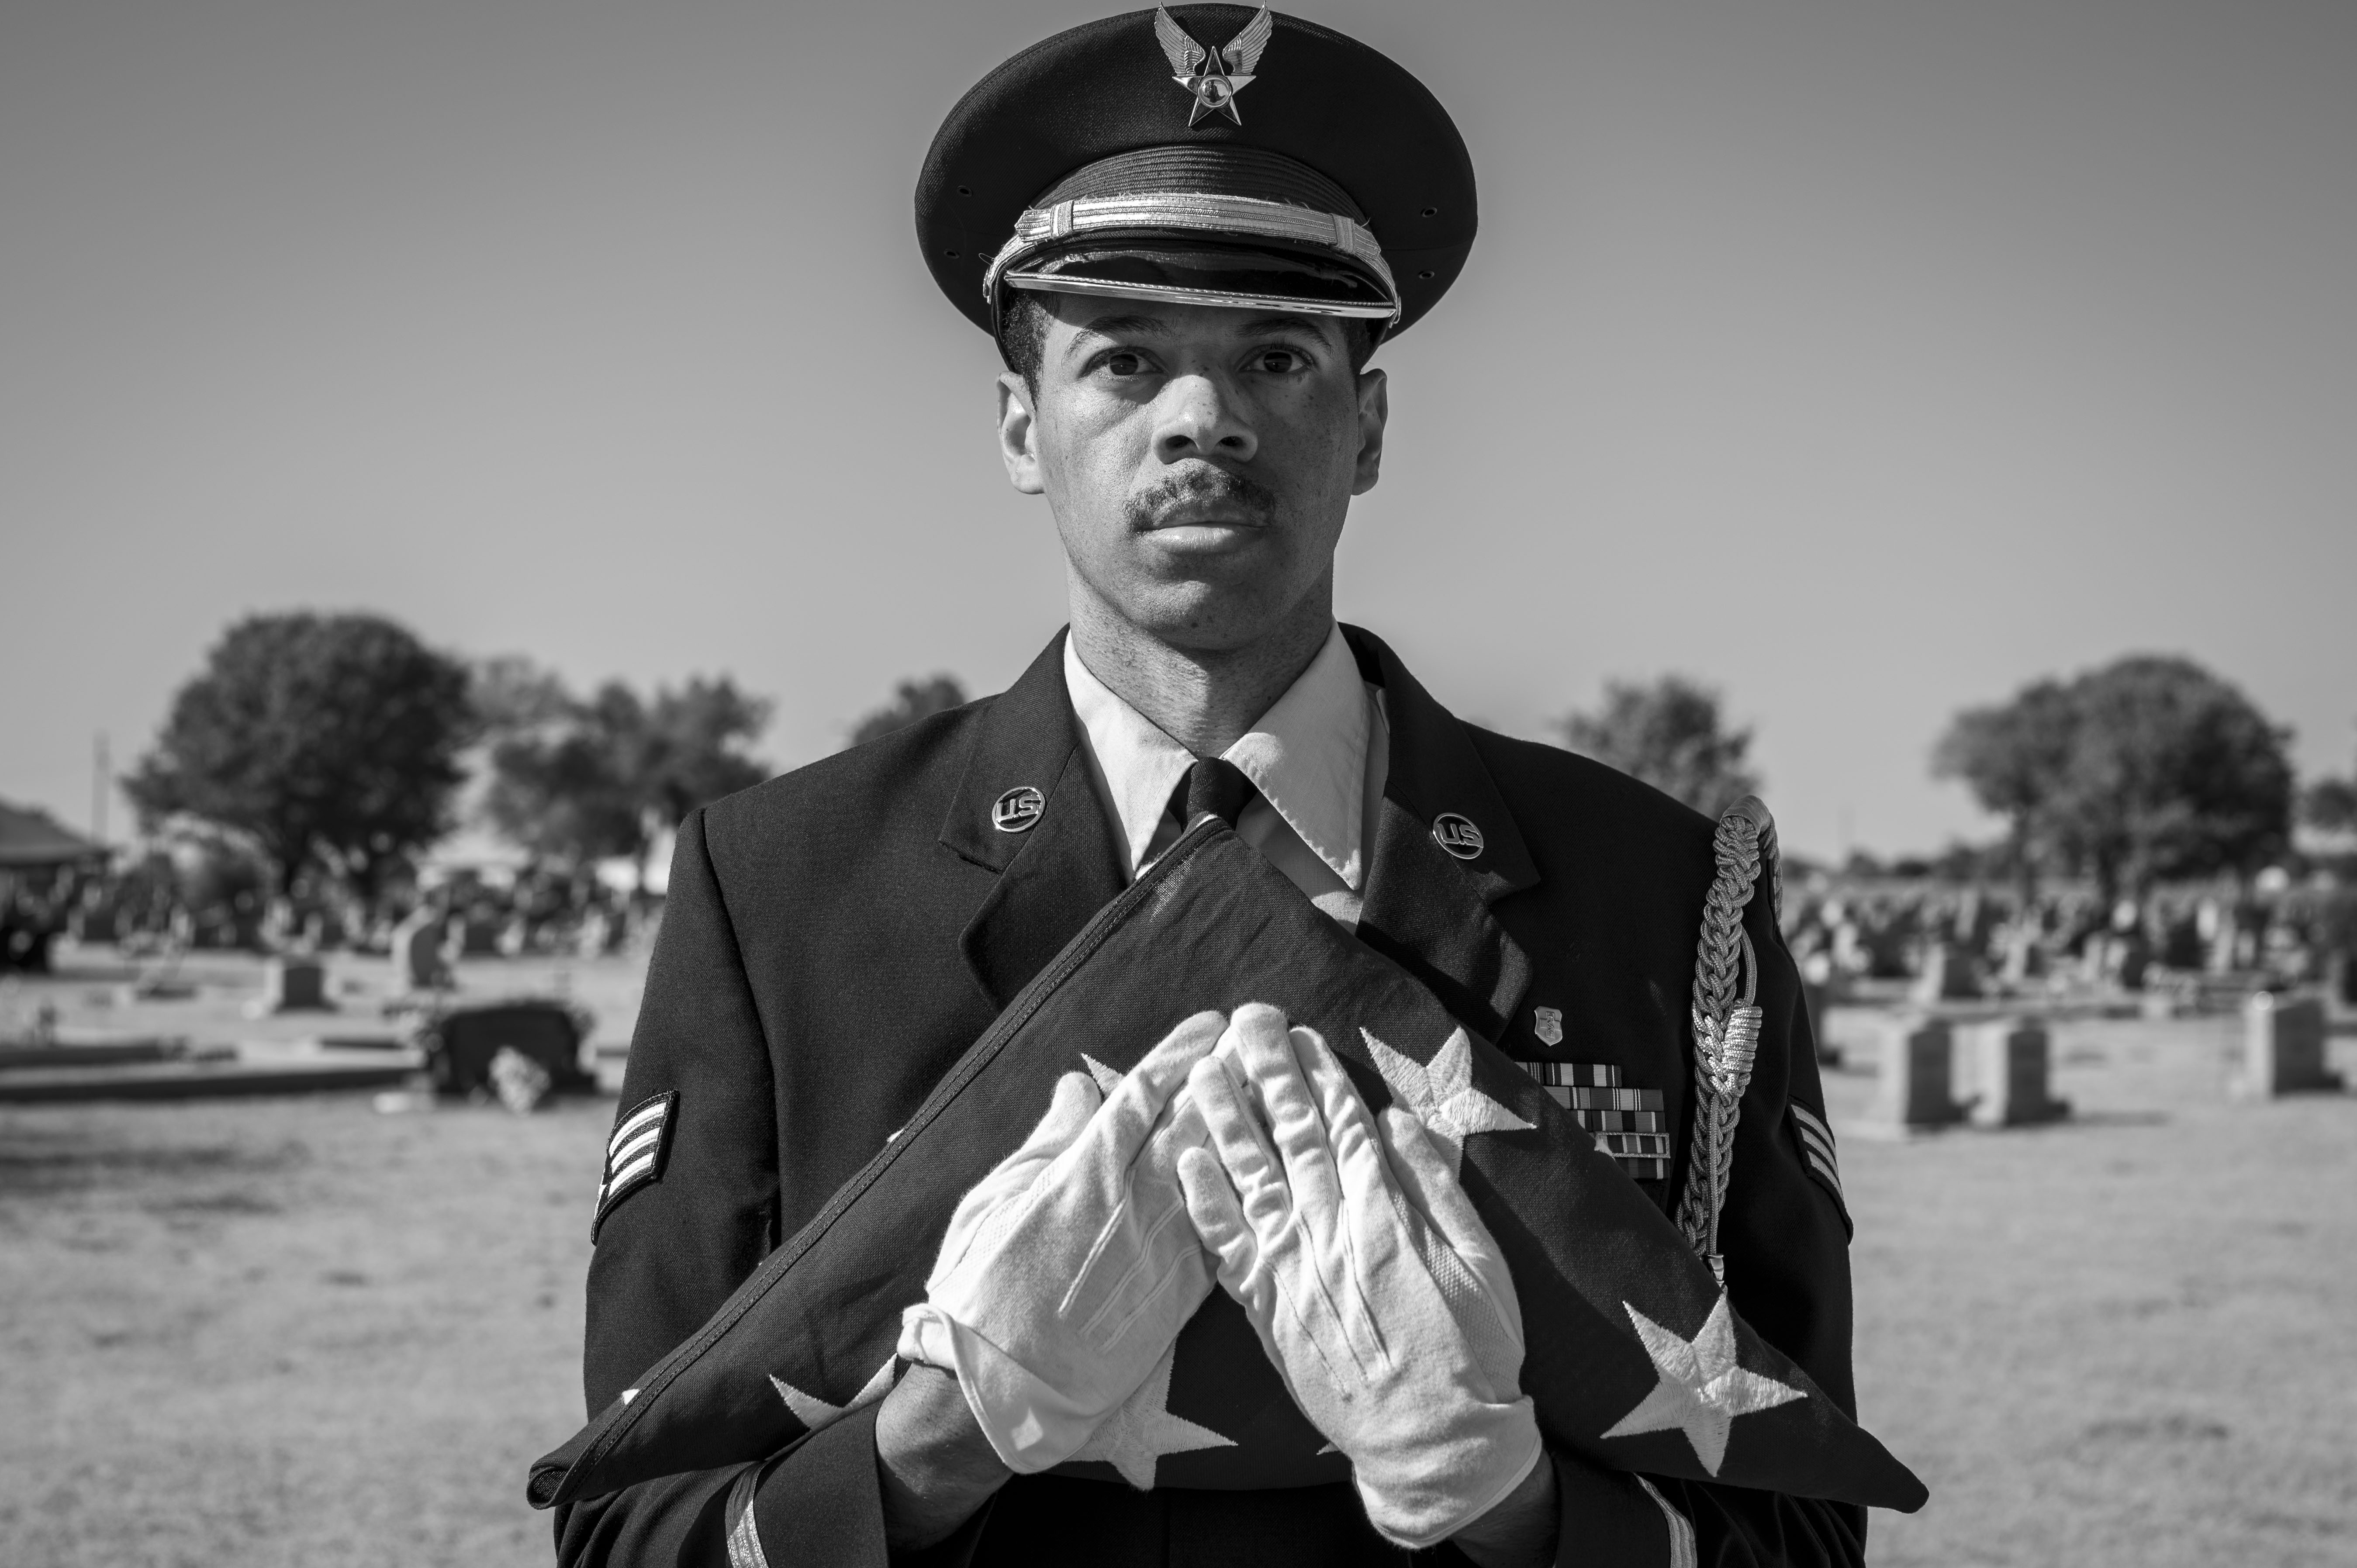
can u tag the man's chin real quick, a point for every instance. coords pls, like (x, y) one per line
(1206, 618)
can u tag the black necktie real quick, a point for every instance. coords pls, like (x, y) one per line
(1214, 785)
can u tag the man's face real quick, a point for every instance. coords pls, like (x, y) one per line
(1199, 461)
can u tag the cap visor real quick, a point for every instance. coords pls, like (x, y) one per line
(1180, 272)
(1178, 294)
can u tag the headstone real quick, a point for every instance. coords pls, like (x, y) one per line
(2341, 987)
(418, 962)
(2181, 945)
(2283, 1046)
(2011, 1059)
(2131, 957)
(2220, 929)
(2094, 960)
(1817, 996)
(1916, 1083)
(2020, 952)
(1949, 975)
(462, 1044)
(1849, 949)
(292, 985)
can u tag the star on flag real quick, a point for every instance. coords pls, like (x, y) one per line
(1702, 1390)
(1134, 1438)
(1441, 1093)
(814, 1413)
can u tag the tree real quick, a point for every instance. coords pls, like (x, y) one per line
(2330, 804)
(911, 700)
(2148, 767)
(689, 747)
(585, 780)
(2013, 756)
(511, 695)
(2172, 773)
(558, 786)
(330, 741)
(1671, 735)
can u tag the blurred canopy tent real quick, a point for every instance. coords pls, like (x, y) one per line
(32, 840)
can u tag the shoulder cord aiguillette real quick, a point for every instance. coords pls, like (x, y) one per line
(1726, 1025)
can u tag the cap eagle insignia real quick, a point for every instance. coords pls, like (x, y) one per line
(1213, 75)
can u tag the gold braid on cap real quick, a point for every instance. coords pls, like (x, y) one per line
(1725, 1026)
(1239, 217)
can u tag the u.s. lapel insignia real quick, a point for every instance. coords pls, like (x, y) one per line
(1017, 810)
(1548, 1025)
(1457, 834)
(1213, 75)
(635, 1153)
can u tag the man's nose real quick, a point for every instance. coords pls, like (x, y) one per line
(1197, 417)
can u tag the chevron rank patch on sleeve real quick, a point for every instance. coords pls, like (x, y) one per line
(635, 1153)
(1629, 1124)
(1816, 1141)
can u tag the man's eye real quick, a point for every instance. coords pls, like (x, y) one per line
(1279, 362)
(1124, 364)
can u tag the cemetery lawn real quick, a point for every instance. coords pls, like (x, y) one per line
(2122, 1339)
(296, 1331)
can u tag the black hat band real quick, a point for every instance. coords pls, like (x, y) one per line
(1203, 212)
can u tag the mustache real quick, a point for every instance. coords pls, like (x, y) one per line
(1203, 486)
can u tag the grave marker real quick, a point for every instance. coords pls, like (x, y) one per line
(418, 964)
(2012, 1058)
(1916, 1086)
(2283, 1047)
(292, 985)
(1950, 973)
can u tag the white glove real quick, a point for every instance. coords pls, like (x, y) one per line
(1069, 1270)
(1375, 1288)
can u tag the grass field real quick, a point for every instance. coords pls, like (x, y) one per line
(297, 1331)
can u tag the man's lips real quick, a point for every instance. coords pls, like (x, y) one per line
(1202, 515)
(1206, 536)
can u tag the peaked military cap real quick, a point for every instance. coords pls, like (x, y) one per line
(1208, 155)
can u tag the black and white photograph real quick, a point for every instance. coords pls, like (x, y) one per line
(1530, 784)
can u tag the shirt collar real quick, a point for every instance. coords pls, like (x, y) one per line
(1306, 755)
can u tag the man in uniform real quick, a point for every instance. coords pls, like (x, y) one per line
(1188, 231)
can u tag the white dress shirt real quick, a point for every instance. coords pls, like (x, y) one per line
(1319, 758)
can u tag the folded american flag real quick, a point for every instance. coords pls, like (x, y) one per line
(1635, 1360)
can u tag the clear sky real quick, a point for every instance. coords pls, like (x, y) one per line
(1867, 358)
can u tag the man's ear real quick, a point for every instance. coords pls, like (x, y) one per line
(1374, 410)
(1018, 436)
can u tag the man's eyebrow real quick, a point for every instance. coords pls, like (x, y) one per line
(1146, 326)
(1286, 323)
(1118, 327)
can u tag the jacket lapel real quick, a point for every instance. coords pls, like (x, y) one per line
(1056, 872)
(1426, 909)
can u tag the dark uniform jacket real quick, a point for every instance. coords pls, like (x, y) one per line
(837, 936)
